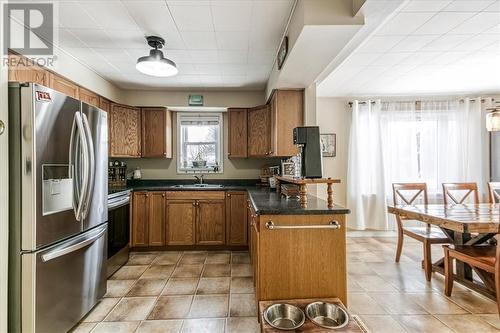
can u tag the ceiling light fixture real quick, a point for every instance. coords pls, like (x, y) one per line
(493, 119)
(155, 64)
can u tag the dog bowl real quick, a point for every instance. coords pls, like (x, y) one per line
(284, 316)
(327, 315)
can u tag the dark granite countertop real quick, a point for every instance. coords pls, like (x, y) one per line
(264, 200)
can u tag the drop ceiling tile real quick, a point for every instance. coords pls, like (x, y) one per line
(232, 40)
(404, 23)
(445, 42)
(419, 58)
(178, 56)
(478, 23)
(210, 79)
(199, 40)
(93, 37)
(152, 16)
(208, 69)
(261, 57)
(380, 43)
(413, 43)
(495, 7)
(360, 59)
(188, 2)
(67, 40)
(425, 5)
(493, 30)
(493, 47)
(188, 79)
(204, 56)
(115, 55)
(265, 41)
(186, 69)
(477, 42)
(233, 57)
(231, 15)
(266, 15)
(234, 69)
(84, 54)
(110, 14)
(391, 59)
(447, 58)
(72, 15)
(468, 5)
(127, 39)
(443, 22)
(192, 18)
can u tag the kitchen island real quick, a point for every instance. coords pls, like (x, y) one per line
(296, 252)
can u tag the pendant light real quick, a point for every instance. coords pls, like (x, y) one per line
(493, 120)
(155, 64)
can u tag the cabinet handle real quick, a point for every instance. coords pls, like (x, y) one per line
(332, 225)
(228, 194)
(271, 152)
(163, 195)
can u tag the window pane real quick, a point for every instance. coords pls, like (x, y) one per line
(201, 152)
(200, 133)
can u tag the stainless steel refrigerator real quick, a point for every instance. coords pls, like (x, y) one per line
(58, 152)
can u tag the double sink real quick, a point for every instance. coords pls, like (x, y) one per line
(193, 186)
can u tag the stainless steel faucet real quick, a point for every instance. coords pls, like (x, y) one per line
(200, 179)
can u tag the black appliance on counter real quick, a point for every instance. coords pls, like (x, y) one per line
(118, 229)
(307, 138)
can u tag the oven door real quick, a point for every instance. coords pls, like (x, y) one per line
(118, 233)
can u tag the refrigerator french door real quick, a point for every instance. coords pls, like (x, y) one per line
(58, 209)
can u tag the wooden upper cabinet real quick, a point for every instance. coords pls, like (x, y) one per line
(180, 222)
(64, 86)
(89, 97)
(22, 69)
(210, 222)
(156, 132)
(287, 112)
(139, 226)
(104, 104)
(237, 130)
(124, 131)
(236, 218)
(156, 221)
(259, 132)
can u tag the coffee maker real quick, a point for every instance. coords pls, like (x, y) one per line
(307, 138)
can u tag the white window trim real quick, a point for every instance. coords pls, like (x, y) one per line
(220, 138)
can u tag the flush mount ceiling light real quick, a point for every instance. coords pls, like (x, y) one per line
(155, 64)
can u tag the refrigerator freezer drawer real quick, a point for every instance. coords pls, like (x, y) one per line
(62, 283)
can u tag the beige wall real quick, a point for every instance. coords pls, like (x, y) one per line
(233, 168)
(334, 116)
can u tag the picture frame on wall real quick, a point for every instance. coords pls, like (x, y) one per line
(328, 144)
(282, 53)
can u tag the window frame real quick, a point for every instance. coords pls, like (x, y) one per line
(219, 146)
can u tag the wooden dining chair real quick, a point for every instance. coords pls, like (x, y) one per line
(450, 198)
(427, 234)
(494, 192)
(485, 257)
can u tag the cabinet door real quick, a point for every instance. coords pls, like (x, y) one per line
(157, 216)
(139, 229)
(210, 220)
(124, 131)
(237, 130)
(259, 135)
(89, 97)
(104, 104)
(236, 218)
(180, 222)
(255, 253)
(287, 112)
(156, 133)
(22, 69)
(64, 86)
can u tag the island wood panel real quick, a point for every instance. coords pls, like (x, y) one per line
(180, 222)
(124, 131)
(255, 239)
(156, 135)
(139, 234)
(236, 218)
(104, 104)
(287, 112)
(237, 133)
(64, 86)
(157, 217)
(22, 69)
(192, 195)
(89, 97)
(301, 263)
(259, 132)
(210, 221)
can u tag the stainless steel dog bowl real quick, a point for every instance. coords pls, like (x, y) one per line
(284, 316)
(327, 315)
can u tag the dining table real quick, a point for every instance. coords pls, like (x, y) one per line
(463, 224)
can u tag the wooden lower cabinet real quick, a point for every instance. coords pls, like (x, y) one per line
(156, 218)
(210, 222)
(139, 235)
(236, 218)
(181, 216)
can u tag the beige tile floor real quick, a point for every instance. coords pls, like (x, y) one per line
(172, 292)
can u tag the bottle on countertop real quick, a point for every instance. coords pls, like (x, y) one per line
(137, 173)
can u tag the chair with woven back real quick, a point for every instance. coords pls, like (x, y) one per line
(494, 192)
(468, 188)
(426, 234)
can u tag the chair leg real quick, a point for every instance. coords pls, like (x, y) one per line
(448, 272)
(399, 249)
(427, 260)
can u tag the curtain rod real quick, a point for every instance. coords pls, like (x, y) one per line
(416, 102)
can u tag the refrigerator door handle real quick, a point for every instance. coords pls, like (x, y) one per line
(91, 171)
(79, 194)
(56, 253)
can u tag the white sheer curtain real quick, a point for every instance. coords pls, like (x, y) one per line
(365, 173)
(430, 141)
